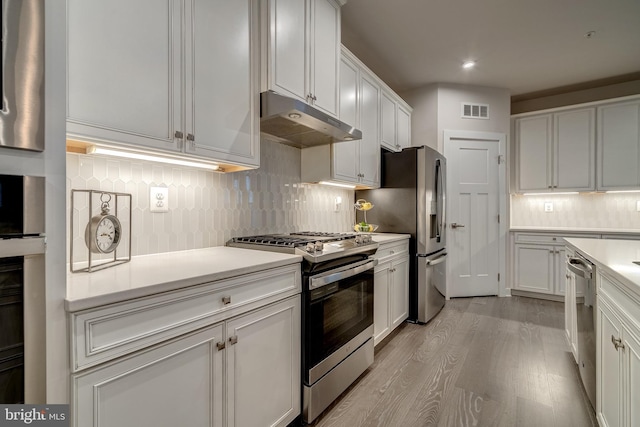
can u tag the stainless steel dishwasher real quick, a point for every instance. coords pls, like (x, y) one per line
(586, 311)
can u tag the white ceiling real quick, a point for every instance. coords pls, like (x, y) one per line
(522, 45)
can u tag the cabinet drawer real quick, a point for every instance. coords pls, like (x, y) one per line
(550, 239)
(115, 330)
(392, 249)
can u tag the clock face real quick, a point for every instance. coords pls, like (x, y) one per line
(103, 234)
(107, 235)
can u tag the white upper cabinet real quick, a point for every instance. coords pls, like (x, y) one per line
(556, 152)
(619, 146)
(303, 51)
(388, 121)
(180, 76)
(404, 127)
(370, 127)
(351, 162)
(124, 85)
(395, 120)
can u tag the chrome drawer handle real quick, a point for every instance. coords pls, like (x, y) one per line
(617, 343)
(226, 300)
(455, 225)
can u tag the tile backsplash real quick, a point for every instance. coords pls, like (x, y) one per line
(208, 208)
(585, 210)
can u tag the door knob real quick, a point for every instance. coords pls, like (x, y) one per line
(456, 225)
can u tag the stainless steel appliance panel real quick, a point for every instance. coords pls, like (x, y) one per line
(22, 78)
(586, 311)
(432, 273)
(412, 201)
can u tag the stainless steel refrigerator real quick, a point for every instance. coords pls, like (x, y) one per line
(411, 200)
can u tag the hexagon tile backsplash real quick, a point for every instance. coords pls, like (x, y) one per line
(208, 208)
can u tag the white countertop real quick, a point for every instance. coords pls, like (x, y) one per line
(151, 274)
(388, 237)
(576, 230)
(614, 256)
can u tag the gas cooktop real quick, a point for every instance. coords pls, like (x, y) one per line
(313, 246)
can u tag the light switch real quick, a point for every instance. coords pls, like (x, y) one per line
(548, 207)
(159, 199)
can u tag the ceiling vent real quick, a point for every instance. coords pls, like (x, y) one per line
(475, 111)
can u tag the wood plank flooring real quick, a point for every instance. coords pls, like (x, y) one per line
(481, 362)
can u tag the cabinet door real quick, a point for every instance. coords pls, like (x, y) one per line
(123, 85)
(570, 319)
(404, 128)
(619, 146)
(288, 41)
(222, 80)
(370, 127)
(608, 400)
(174, 384)
(263, 366)
(381, 319)
(345, 155)
(632, 388)
(399, 292)
(534, 269)
(325, 55)
(388, 121)
(533, 153)
(574, 150)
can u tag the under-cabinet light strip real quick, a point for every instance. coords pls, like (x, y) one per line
(550, 194)
(337, 184)
(152, 158)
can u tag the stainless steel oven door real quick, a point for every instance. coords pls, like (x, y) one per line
(338, 308)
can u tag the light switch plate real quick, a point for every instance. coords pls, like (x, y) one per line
(159, 199)
(548, 207)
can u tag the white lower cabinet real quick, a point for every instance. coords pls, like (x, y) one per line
(618, 355)
(241, 368)
(263, 366)
(178, 383)
(391, 289)
(539, 264)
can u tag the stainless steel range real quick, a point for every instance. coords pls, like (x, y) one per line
(337, 314)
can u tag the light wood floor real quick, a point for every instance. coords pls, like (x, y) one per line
(480, 362)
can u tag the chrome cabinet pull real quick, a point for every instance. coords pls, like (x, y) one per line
(456, 225)
(221, 345)
(226, 300)
(233, 340)
(178, 134)
(617, 343)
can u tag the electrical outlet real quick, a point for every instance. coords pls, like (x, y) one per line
(548, 207)
(159, 199)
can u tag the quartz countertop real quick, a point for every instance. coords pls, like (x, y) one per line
(613, 256)
(388, 237)
(151, 274)
(575, 230)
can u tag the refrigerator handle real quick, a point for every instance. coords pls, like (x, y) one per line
(443, 199)
(442, 258)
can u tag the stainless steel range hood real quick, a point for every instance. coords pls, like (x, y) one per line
(293, 122)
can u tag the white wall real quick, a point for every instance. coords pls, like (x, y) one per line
(437, 108)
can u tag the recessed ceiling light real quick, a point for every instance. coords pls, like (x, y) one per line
(468, 64)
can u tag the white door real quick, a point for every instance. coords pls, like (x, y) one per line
(473, 207)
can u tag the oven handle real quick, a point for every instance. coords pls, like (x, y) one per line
(348, 271)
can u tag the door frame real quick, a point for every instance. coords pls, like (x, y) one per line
(501, 138)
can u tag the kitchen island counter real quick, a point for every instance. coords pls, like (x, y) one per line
(152, 274)
(613, 256)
